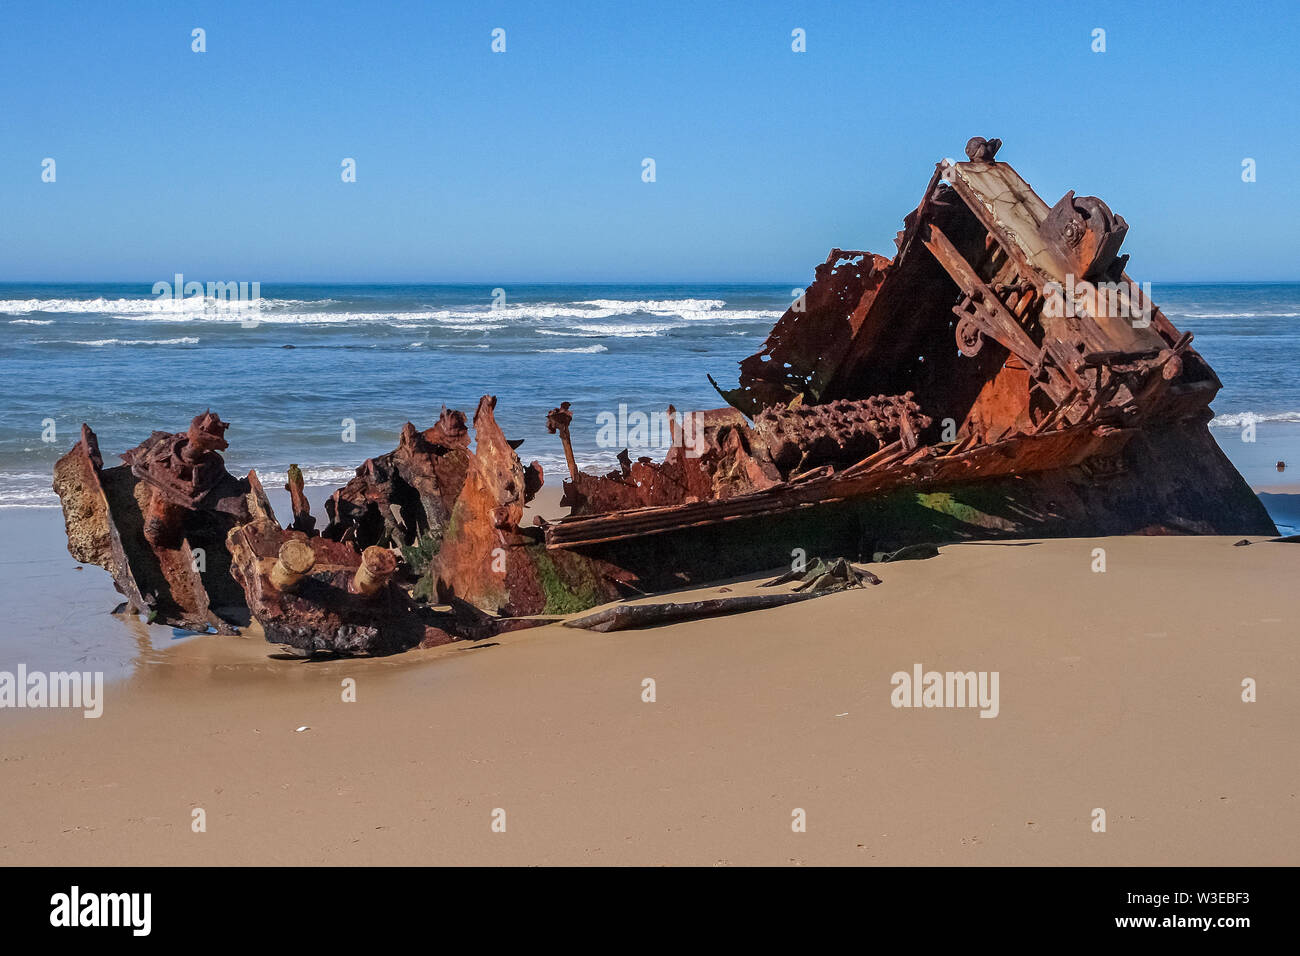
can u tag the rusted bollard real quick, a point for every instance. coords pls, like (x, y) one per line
(295, 562)
(377, 567)
(559, 420)
(302, 517)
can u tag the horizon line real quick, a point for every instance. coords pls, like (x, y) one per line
(563, 282)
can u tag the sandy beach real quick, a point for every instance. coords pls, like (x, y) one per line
(1119, 690)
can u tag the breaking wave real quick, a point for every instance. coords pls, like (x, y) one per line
(27, 490)
(315, 312)
(324, 476)
(632, 306)
(613, 331)
(100, 343)
(33, 490)
(1238, 419)
(1233, 315)
(159, 306)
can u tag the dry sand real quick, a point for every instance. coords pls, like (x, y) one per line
(1119, 690)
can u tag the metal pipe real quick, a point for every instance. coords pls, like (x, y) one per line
(295, 561)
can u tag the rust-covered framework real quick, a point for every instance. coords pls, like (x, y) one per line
(1024, 353)
(1001, 376)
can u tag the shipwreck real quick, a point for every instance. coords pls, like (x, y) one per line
(1001, 376)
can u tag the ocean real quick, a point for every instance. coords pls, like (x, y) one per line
(292, 375)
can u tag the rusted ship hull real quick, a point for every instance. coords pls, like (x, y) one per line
(167, 559)
(1001, 376)
(1109, 493)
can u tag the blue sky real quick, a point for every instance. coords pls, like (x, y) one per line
(526, 166)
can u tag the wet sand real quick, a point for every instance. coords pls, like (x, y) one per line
(1118, 690)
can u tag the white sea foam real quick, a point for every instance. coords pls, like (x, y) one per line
(583, 330)
(32, 490)
(728, 315)
(304, 312)
(153, 306)
(589, 350)
(100, 343)
(1240, 419)
(597, 463)
(31, 321)
(264, 317)
(467, 320)
(683, 309)
(323, 476)
(631, 306)
(27, 489)
(1233, 315)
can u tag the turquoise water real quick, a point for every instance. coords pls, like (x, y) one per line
(289, 374)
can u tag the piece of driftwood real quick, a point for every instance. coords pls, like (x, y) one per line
(625, 616)
(911, 552)
(823, 575)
